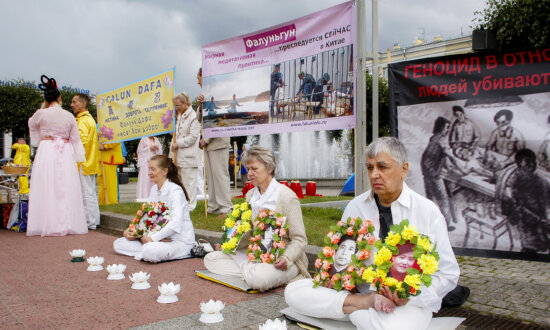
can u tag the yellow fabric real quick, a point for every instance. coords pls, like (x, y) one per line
(112, 154)
(88, 136)
(111, 181)
(22, 157)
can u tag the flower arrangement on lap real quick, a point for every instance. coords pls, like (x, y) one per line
(236, 224)
(340, 264)
(404, 261)
(266, 244)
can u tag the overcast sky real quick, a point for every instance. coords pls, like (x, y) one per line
(102, 45)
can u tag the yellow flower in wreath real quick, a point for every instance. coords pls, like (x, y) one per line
(428, 263)
(390, 281)
(246, 226)
(369, 275)
(413, 280)
(383, 255)
(393, 239)
(229, 223)
(247, 215)
(409, 232)
(424, 242)
(244, 206)
(236, 213)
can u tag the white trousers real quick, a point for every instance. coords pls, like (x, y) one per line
(152, 251)
(189, 179)
(257, 275)
(328, 303)
(88, 184)
(200, 180)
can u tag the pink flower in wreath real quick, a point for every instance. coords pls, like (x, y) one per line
(346, 277)
(324, 275)
(335, 239)
(279, 222)
(316, 278)
(352, 221)
(261, 225)
(251, 256)
(258, 238)
(350, 231)
(363, 254)
(255, 247)
(368, 222)
(262, 214)
(326, 265)
(342, 223)
(282, 232)
(271, 212)
(348, 285)
(282, 244)
(360, 271)
(350, 269)
(370, 239)
(318, 263)
(265, 257)
(363, 229)
(139, 213)
(328, 251)
(334, 279)
(250, 247)
(330, 234)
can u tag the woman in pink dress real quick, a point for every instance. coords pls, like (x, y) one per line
(55, 199)
(147, 148)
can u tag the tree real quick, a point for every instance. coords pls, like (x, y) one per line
(516, 23)
(18, 102)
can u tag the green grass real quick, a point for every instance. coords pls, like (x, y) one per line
(133, 179)
(316, 220)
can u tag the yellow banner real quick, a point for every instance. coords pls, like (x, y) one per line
(136, 110)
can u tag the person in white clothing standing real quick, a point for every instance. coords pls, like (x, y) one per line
(389, 201)
(177, 238)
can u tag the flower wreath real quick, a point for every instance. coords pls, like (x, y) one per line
(149, 219)
(359, 229)
(278, 221)
(425, 255)
(236, 224)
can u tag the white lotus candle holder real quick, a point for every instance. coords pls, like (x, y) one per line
(140, 280)
(168, 293)
(211, 311)
(78, 255)
(273, 325)
(116, 271)
(95, 264)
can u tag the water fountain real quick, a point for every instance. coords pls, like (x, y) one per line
(309, 155)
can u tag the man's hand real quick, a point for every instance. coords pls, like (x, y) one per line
(174, 147)
(200, 99)
(101, 147)
(280, 264)
(202, 143)
(386, 292)
(146, 239)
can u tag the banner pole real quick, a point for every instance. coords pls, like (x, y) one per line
(103, 177)
(235, 169)
(361, 97)
(204, 167)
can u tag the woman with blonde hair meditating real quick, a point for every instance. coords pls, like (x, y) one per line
(267, 194)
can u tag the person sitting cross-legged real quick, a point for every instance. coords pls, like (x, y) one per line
(388, 202)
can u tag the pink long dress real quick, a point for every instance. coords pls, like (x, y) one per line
(55, 199)
(144, 152)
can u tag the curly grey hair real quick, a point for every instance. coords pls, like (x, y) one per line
(388, 144)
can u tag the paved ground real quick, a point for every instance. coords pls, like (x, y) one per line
(40, 288)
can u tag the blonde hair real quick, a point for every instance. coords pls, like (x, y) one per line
(183, 97)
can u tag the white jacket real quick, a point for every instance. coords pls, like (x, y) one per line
(188, 130)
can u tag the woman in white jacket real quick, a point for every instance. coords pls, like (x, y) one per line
(183, 149)
(177, 238)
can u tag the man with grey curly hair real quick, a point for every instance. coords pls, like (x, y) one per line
(388, 202)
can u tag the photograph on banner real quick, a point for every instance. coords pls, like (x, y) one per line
(484, 159)
(259, 96)
(143, 108)
(295, 76)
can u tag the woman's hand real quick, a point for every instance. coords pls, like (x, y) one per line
(217, 247)
(174, 147)
(386, 292)
(126, 234)
(280, 264)
(146, 239)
